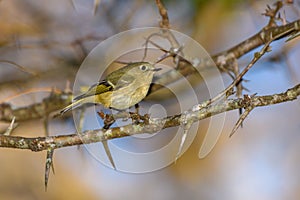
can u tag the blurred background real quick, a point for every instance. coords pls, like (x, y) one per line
(51, 39)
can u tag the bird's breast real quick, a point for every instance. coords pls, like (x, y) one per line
(124, 97)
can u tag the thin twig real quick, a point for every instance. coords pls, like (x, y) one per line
(20, 67)
(269, 12)
(164, 23)
(256, 57)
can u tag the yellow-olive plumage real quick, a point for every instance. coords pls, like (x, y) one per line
(121, 89)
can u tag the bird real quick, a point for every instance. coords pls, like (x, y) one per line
(121, 89)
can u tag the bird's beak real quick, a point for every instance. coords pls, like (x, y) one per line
(156, 69)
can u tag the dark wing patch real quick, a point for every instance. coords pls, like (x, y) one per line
(95, 89)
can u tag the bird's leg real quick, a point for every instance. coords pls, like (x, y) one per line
(137, 108)
(108, 119)
(145, 118)
(137, 118)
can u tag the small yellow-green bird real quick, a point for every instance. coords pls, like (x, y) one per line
(121, 89)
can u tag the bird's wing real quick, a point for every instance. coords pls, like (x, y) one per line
(98, 88)
(123, 81)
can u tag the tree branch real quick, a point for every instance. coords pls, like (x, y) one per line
(260, 38)
(164, 15)
(223, 59)
(197, 113)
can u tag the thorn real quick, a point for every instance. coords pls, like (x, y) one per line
(46, 120)
(241, 119)
(49, 163)
(240, 113)
(108, 153)
(81, 122)
(183, 138)
(72, 4)
(186, 125)
(108, 120)
(52, 167)
(96, 5)
(269, 49)
(68, 87)
(81, 119)
(10, 127)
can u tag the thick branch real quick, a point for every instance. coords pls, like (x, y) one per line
(54, 102)
(260, 38)
(197, 113)
(223, 59)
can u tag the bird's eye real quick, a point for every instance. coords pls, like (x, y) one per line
(143, 67)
